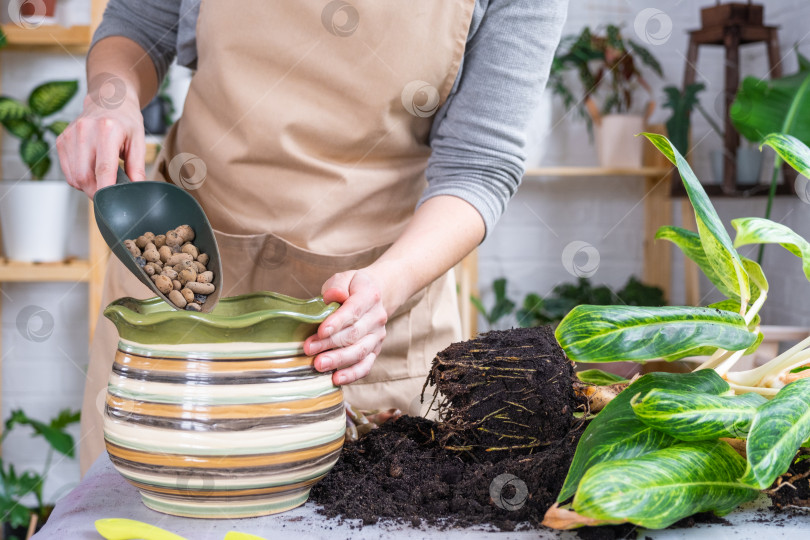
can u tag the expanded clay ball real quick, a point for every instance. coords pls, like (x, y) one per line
(173, 239)
(190, 249)
(165, 252)
(187, 294)
(163, 283)
(177, 267)
(185, 232)
(151, 255)
(177, 299)
(132, 247)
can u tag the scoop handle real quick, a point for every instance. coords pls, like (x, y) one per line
(122, 177)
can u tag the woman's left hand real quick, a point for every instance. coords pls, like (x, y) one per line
(350, 339)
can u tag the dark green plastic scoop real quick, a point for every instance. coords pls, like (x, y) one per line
(129, 209)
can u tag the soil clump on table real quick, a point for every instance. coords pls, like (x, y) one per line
(498, 454)
(792, 489)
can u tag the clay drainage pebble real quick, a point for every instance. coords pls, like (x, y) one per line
(176, 266)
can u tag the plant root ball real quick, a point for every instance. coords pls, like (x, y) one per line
(504, 392)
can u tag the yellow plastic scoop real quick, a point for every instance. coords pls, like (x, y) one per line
(130, 529)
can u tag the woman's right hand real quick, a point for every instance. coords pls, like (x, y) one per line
(107, 129)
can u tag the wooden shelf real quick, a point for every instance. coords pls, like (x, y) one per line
(152, 151)
(596, 171)
(48, 38)
(70, 270)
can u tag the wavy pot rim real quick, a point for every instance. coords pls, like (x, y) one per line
(120, 310)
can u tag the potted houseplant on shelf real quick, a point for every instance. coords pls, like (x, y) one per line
(17, 486)
(607, 66)
(34, 211)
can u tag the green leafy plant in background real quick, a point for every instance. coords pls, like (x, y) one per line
(781, 105)
(660, 450)
(681, 103)
(502, 307)
(14, 485)
(29, 122)
(601, 60)
(537, 311)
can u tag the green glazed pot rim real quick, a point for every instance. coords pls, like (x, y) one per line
(154, 310)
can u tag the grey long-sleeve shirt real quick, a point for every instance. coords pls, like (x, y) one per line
(478, 136)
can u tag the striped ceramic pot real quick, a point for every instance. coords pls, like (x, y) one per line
(221, 415)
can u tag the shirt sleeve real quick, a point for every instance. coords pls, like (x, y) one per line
(479, 134)
(152, 24)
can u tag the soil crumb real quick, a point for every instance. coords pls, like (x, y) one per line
(498, 455)
(795, 485)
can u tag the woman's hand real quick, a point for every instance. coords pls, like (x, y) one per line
(107, 130)
(349, 340)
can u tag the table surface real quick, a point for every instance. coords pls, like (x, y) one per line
(103, 493)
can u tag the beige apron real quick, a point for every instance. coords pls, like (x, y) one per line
(310, 121)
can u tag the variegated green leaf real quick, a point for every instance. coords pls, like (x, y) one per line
(40, 168)
(689, 243)
(11, 109)
(717, 245)
(756, 277)
(764, 231)
(621, 333)
(597, 377)
(734, 307)
(19, 127)
(616, 432)
(58, 127)
(50, 97)
(792, 150)
(33, 150)
(778, 430)
(690, 416)
(659, 488)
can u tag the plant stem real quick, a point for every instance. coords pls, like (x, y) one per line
(718, 356)
(775, 366)
(756, 306)
(728, 363)
(777, 164)
(766, 392)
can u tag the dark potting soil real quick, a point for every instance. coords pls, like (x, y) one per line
(798, 476)
(498, 455)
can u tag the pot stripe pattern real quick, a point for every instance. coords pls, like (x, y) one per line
(236, 433)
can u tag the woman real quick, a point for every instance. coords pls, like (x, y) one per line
(356, 150)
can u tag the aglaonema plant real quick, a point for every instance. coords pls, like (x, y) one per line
(664, 448)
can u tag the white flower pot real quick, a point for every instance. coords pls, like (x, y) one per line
(35, 218)
(616, 143)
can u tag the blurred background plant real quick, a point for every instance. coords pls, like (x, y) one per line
(602, 61)
(16, 486)
(536, 310)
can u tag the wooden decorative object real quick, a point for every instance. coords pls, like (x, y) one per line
(731, 25)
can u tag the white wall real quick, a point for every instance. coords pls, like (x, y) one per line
(548, 214)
